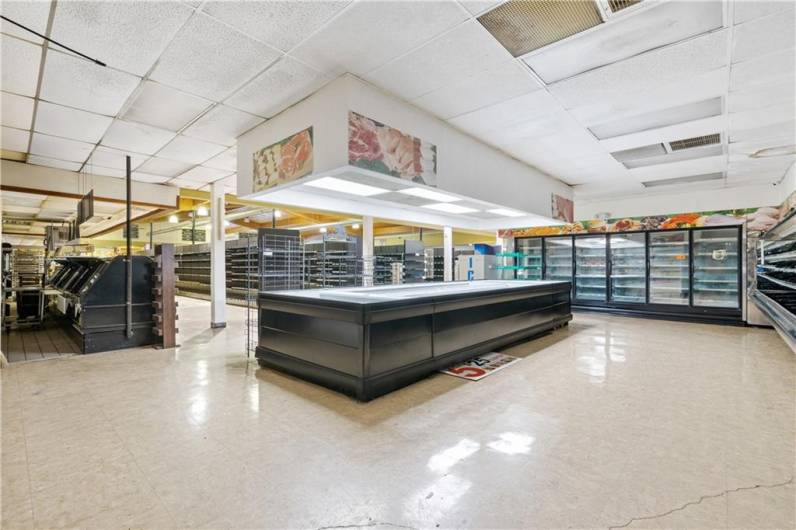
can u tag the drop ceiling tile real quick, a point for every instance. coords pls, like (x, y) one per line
(512, 111)
(746, 10)
(128, 36)
(458, 54)
(222, 125)
(776, 166)
(165, 167)
(146, 177)
(645, 72)
(15, 139)
(60, 148)
(190, 150)
(755, 119)
(60, 203)
(280, 24)
(12, 208)
(476, 7)
(78, 83)
(16, 111)
(786, 128)
(184, 183)
(772, 68)
(624, 37)
(54, 214)
(741, 151)
(227, 160)
(209, 59)
(689, 129)
(52, 162)
(31, 13)
(164, 107)
(70, 123)
(280, 86)
(708, 164)
(372, 32)
(764, 35)
(136, 137)
(761, 97)
(91, 169)
(204, 174)
(20, 60)
(114, 158)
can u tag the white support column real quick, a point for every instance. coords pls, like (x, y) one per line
(367, 251)
(447, 252)
(218, 273)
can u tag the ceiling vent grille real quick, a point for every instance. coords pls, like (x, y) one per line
(683, 180)
(522, 26)
(697, 141)
(619, 5)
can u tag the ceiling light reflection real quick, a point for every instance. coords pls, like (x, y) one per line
(512, 443)
(447, 458)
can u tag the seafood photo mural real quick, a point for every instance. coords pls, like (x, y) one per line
(378, 147)
(286, 160)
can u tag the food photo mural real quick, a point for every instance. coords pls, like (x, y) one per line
(378, 147)
(756, 219)
(286, 160)
(562, 209)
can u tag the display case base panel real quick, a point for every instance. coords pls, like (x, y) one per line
(370, 349)
(684, 314)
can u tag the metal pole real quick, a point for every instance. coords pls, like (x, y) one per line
(273, 218)
(129, 269)
(193, 227)
(151, 240)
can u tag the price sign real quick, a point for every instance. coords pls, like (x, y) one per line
(481, 366)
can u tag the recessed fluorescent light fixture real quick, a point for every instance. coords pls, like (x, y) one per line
(677, 156)
(345, 186)
(505, 212)
(449, 208)
(659, 118)
(429, 194)
(683, 180)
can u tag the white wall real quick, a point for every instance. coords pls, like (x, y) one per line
(681, 202)
(788, 184)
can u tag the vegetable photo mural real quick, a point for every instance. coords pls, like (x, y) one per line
(378, 147)
(286, 160)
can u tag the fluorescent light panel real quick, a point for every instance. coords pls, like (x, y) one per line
(660, 118)
(449, 208)
(683, 180)
(429, 194)
(506, 212)
(346, 186)
(679, 156)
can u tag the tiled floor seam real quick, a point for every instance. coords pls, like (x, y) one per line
(699, 501)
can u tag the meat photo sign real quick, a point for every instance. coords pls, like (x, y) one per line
(283, 161)
(378, 147)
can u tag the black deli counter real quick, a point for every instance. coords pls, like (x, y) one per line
(368, 341)
(93, 299)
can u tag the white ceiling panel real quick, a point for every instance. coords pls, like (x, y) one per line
(146, 177)
(114, 158)
(281, 23)
(15, 139)
(785, 129)
(746, 10)
(30, 13)
(190, 150)
(281, 85)
(60, 148)
(55, 214)
(372, 32)
(511, 111)
(761, 97)
(125, 35)
(20, 60)
(165, 167)
(741, 151)
(91, 169)
(757, 118)
(222, 125)
(185, 183)
(52, 162)
(70, 123)
(458, 54)
(18, 209)
(623, 37)
(60, 203)
(645, 72)
(78, 83)
(16, 111)
(204, 174)
(22, 199)
(503, 81)
(209, 59)
(764, 35)
(772, 68)
(556, 122)
(227, 160)
(136, 137)
(164, 107)
(476, 7)
(680, 131)
(699, 166)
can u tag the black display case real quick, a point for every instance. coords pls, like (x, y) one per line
(368, 341)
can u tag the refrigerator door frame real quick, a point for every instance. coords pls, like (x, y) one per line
(575, 299)
(741, 254)
(644, 267)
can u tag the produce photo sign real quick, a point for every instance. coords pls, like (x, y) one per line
(562, 209)
(481, 366)
(378, 147)
(283, 161)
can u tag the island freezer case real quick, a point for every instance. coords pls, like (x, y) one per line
(368, 341)
(693, 274)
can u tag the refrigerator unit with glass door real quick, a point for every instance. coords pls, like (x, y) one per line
(628, 268)
(590, 268)
(558, 258)
(716, 268)
(669, 278)
(529, 259)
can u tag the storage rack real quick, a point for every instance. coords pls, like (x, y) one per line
(434, 264)
(332, 262)
(27, 266)
(411, 253)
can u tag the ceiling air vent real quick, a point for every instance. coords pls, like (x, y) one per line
(619, 5)
(697, 141)
(522, 26)
(683, 180)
